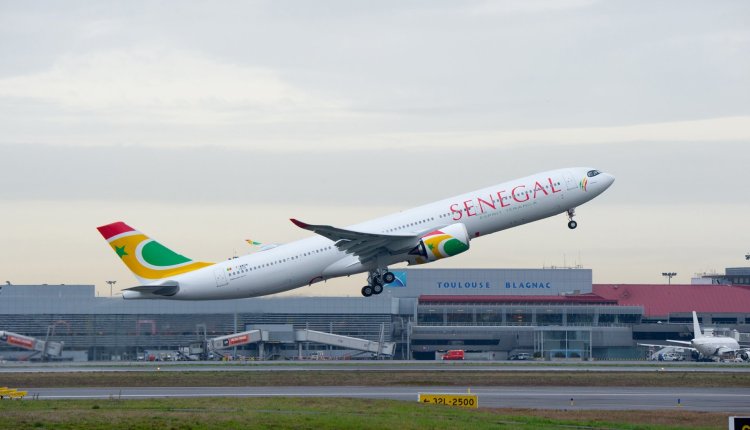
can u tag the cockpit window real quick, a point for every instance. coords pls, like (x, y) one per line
(592, 173)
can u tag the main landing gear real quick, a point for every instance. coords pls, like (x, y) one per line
(375, 281)
(571, 213)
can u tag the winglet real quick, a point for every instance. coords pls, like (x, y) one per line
(300, 224)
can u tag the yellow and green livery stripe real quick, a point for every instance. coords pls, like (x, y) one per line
(145, 257)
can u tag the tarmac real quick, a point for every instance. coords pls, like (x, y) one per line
(380, 365)
(729, 400)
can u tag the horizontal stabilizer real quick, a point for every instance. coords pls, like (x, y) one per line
(168, 288)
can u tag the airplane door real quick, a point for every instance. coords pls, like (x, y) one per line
(570, 182)
(221, 277)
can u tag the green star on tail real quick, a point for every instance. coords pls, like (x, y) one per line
(120, 250)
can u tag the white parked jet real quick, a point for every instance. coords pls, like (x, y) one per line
(712, 347)
(420, 235)
(708, 346)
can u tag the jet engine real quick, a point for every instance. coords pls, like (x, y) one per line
(744, 355)
(446, 242)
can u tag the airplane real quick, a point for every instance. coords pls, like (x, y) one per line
(708, 346)
(421, 235)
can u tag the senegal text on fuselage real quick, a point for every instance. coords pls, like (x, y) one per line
(478, 205)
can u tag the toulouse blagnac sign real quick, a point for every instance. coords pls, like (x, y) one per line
(490, 282)
(508, 285)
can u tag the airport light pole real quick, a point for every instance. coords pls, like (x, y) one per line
(669, 275)
(111, 283)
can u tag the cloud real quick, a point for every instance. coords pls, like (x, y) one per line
(152, 84)
(515, 7)
(704, 130)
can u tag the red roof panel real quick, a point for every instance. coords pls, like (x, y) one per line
(659, 300)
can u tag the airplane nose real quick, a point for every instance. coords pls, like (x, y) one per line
(608, 180)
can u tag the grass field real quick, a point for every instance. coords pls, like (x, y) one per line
(294, 413)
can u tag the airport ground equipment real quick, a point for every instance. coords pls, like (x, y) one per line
(194, 351)
(11, 393)
(46, 348)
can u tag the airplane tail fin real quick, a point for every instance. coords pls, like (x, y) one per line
(148, 259)
(696, 327)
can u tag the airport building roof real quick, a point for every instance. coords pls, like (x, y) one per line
(659, 300)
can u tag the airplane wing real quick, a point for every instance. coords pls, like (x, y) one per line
(681, 342)
(668, 346)
(365, 246)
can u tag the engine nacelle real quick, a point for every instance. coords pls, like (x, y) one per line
(446, 242)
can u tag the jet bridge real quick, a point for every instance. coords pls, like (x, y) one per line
(233, 340)
(303, 335)
(47, 348)
(378, 348)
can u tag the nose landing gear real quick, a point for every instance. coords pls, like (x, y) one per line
(572, 224)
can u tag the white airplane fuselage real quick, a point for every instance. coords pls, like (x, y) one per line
(715, 346)
(303, 262)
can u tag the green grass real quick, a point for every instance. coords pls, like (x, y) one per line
(317, 413)
(467, 378)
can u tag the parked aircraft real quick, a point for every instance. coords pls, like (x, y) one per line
(421, 235)
(710, 347)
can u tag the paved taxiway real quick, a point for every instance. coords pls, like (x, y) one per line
(387, 366)
(728, 400)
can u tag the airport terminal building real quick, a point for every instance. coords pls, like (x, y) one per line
(490, 313)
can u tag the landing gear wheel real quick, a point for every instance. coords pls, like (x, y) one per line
(377, 289)
(388, 277)
(571, 213)
(367, 291)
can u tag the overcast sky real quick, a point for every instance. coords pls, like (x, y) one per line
(206, 123)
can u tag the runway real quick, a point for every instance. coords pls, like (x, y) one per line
(726, 400)
(723, 399)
